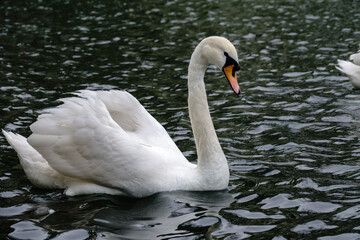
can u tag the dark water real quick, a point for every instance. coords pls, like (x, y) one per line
(291, 137)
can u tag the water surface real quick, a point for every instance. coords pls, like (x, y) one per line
(291, 138)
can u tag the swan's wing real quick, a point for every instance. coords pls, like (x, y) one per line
(80, 139)
(132, 117)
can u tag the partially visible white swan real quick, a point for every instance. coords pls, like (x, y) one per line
(106, 142)
(352, 70)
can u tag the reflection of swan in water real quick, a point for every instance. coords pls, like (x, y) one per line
(167, 214)
(351, 69)
(106, 142)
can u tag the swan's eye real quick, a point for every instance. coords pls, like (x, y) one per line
(230, 61)
(229, 69)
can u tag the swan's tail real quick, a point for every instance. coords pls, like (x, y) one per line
(355, 58)
(35, 166)
(351, 70)
(347, 67)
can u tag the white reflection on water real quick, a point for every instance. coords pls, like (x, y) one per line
(165, 214)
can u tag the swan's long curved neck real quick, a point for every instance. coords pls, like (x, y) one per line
(210, 154)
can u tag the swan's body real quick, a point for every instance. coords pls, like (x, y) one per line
(106, 142)
(351, 69)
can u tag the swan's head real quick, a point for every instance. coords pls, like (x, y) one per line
(220, 52)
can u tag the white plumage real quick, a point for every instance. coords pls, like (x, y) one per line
(351, 69)
(106, 142)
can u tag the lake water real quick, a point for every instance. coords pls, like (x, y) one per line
(291, 138)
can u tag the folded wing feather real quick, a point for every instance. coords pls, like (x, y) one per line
(88, 137)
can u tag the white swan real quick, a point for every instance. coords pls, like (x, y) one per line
(352, 70)
(106, 142)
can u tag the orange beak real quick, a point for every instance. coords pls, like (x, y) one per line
(230, 74)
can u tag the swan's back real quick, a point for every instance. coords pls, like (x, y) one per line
(107, 138)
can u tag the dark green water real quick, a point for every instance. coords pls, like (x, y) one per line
(291, 137)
